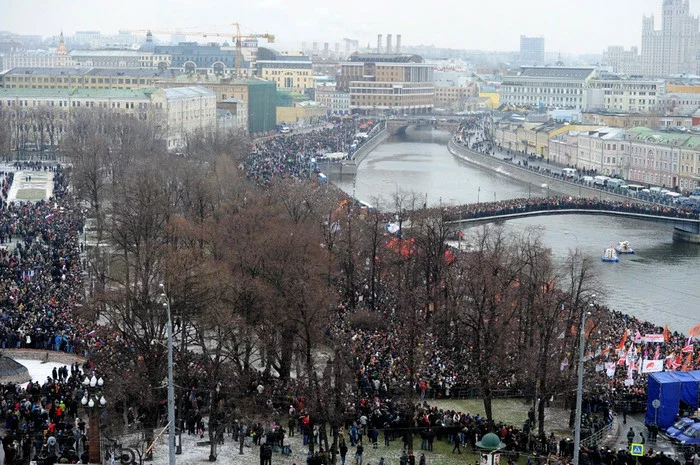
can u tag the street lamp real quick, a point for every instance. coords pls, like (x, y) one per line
(92, 401)
(171, 385)
(478, 193)
(579, 385)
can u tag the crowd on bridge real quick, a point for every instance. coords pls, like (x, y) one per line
(536, 204)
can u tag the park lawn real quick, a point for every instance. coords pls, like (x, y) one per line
(31, 194)
(440, 455)
(511, 411)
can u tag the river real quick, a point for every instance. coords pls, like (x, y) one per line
(659, 284)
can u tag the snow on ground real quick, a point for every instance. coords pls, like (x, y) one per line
(39, 188)
(39, 370)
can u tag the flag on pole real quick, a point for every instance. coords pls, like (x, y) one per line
(623, 341)
(677, 362)
(652, 366)
(688, 346)
(637, 337)
(667, 334)
(657, 354)
(688, 364)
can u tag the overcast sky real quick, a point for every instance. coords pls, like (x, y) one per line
(583, 26)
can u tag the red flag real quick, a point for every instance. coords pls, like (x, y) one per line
(637, 337)
(657, 353)
(688, 365)
(677, 362)
(688, 346)
(667, 334)
(623, 340)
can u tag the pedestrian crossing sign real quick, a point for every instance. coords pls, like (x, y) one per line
(637, 450)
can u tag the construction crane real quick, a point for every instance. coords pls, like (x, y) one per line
(237, 37)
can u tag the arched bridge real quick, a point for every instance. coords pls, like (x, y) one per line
(399, 125)
(686, 223)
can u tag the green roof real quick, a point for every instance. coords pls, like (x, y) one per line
(679, 139)
(7, 93)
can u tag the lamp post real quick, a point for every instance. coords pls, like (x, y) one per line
(171, 385)
(92, 401)
(478, 193)
(579, 386)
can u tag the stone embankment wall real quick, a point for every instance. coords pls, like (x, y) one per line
(556, 186)
(349, 167)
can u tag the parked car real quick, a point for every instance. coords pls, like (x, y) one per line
(689, 436)
(678, 427)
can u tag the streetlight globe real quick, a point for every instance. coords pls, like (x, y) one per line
(86, 381)
(100, 381)
(103, 401)
(93, 381)
(91, 403)
(84, 400)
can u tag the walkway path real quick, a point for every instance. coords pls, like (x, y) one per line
(31, 186)
(636, 422)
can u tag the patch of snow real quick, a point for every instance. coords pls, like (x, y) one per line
(39, 370)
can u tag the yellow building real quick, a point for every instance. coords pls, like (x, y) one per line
(682, 89)
(494, 98)
(532, 138)
(291, 72)
(448, 95)
(307, 111)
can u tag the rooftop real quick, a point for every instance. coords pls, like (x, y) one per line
(9, 93)
(45, 71)
(386, 58)
(65, 71)
(173, 93)
(679, 139)
(103, 53)
(556, 72)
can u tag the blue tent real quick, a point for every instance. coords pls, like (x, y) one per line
(670, 388)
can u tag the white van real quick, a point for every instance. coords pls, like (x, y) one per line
(569, 173)
(600, 180)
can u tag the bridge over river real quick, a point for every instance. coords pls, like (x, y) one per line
(686, 223)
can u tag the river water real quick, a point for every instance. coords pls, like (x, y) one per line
(660, 283)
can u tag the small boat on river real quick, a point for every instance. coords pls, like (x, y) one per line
(624, 247)
(610, 255)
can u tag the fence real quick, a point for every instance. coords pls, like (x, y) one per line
(594, 439)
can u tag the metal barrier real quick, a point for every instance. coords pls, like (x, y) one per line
(594, 439)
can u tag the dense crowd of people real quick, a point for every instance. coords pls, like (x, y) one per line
(41, 272)
(533, 204)
(42, 419)
(41, 279)
(303, 154)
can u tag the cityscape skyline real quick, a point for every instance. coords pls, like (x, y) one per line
(445, 25)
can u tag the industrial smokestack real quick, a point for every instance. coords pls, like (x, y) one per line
(379, 43)
(398, 43)
(388, 43)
